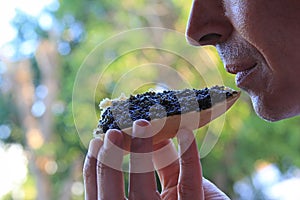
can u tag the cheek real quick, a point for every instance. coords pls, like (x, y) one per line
(253, 23)
(250, 19)
(237, 12)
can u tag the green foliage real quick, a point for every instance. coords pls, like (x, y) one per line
(244, 140)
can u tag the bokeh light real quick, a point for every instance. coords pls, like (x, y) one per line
(5, 131)
(38, 109)
(13, 168)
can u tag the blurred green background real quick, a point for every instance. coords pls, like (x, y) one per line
(41, 149)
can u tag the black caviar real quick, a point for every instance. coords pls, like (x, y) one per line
(151, 105)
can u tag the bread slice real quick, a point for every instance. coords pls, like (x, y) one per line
(168, 111)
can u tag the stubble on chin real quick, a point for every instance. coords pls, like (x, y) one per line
(271, 110)
(262, 111)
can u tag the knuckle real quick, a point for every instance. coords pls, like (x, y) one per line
(141, 163)
(183, 188)
(189, 191)
(89, 167)
(169, 194)
(101, 169)
(138, 195)
(141, 145)
(109, 158)
(187, 160)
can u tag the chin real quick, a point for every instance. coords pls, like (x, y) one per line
(270, 111)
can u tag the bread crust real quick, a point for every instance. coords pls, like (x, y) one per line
(168, 126)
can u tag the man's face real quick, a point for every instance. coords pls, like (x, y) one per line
(259, 41)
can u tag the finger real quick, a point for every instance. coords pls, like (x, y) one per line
(190, 176)
(165, 159)
(89, 169)
(212, 192)
(142, 184)
(110, 176)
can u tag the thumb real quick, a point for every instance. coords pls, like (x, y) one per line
(212, 192)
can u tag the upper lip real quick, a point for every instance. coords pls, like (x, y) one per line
(239, 67)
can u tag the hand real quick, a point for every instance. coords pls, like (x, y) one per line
(181, 179)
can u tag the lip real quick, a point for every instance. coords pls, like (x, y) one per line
(239, 67)
(243, 76)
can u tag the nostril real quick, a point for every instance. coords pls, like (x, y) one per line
(211, 38)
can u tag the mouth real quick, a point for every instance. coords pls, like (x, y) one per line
(243, 76)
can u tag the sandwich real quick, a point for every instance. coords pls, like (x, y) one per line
(168, 111)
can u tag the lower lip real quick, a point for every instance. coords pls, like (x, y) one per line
(243, 78)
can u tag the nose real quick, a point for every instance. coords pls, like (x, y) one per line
(207, 24)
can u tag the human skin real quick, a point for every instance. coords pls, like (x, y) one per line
(259, 41)
(182, 179)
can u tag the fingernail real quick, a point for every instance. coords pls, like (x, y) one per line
(112, 138)
(94, 147)
(140, 128)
